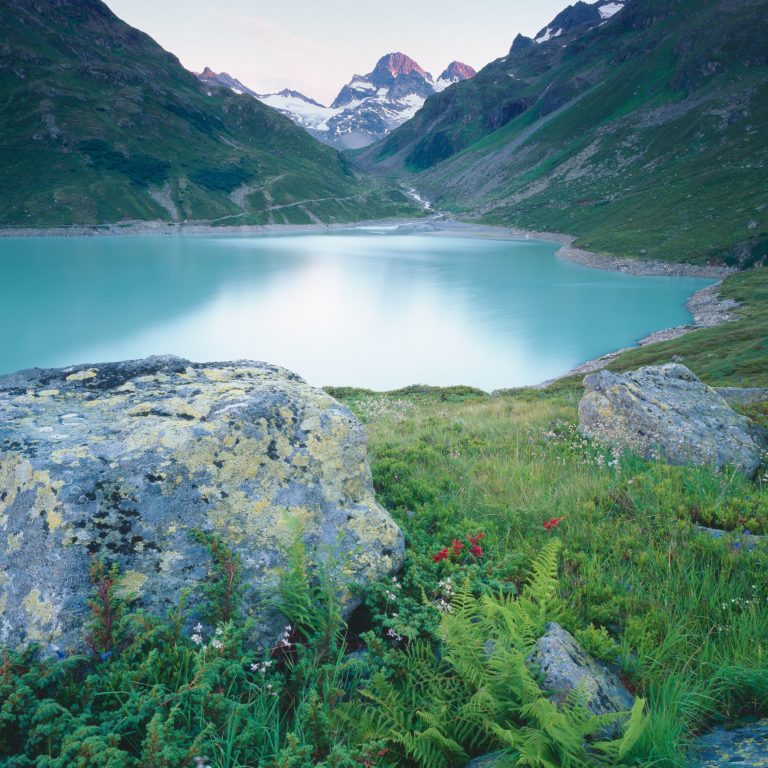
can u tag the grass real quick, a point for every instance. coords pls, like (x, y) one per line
(689, 613)
(625, 139)
(683, 616)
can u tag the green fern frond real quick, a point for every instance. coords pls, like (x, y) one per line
(633, 731)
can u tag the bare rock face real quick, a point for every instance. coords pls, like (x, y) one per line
(565, 665)
(124, 460)
(666, 412)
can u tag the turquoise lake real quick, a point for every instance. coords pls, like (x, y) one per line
(363, 308)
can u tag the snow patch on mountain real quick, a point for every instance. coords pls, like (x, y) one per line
(548, 35)
(609, 9)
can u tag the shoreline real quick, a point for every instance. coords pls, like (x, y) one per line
(706, 306)
(438, 223)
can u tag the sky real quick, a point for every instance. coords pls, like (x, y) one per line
(315, 46)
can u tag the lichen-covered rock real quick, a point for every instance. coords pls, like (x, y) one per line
(666, 412)
(123, 460)
(564, 665)
(746, 746)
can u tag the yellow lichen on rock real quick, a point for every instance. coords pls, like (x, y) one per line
(89, 373)
(129, 458)
(130, 584)
(46, 502)
(42, 616)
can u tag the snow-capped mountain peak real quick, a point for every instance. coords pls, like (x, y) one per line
(394, 65)
(366, 108)
(455, 72)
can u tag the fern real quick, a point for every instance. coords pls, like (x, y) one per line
(307, 596)
(479, 693)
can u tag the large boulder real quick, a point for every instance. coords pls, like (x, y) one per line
(122, 461)
(565, 665)
(666, 412)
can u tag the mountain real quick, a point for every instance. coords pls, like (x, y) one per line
(367, 107)
(455, 72)
(216, 79)
(640, 127)
(100, 124)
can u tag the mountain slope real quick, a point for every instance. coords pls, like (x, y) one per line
(641, 129)
(366, 108)
(100, 124)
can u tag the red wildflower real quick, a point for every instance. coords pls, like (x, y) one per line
(474, 539)
(550, 524)
(443, 554)
(476, 550)
(457, 546)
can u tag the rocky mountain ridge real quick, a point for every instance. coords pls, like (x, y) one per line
(636, 126)
(367, 108)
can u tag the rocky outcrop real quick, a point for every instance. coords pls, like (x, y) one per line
(666, 412)
(565, 665)
(124, 460)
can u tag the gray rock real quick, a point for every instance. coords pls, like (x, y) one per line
(743, 395)
(666, 412)
(123, 460)
(491, 760)
(746, 746)
(564, 665)
(736, 539)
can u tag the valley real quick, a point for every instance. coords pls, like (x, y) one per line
(420, 425)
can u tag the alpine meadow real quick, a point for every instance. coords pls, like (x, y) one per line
(422, 426)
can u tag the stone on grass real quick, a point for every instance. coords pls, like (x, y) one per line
(491, 760)
(666, 412)
(743, 395)
(123, 461)
(565, 665)
(724, 748)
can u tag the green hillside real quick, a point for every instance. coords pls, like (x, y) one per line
(100, 124)
(644, 135)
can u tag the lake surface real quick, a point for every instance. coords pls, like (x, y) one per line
(363, 308)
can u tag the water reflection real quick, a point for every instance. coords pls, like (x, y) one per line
(359, 308)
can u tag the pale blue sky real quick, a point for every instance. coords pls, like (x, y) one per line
(315, 46)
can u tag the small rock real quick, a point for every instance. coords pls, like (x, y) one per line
(746, 746)
(491, 760)
(744, 540)
(666, 412)
(743, 395)
(565, 665)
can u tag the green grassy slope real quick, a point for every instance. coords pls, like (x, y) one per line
(99, 124)
(644, 136)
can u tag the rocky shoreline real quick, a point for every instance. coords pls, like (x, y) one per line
(708, 309)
